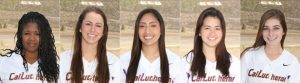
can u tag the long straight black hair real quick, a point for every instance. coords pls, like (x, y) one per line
(102, 70)
(222, 55)
(137, 46)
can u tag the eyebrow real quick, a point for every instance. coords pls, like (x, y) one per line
(92, 22)
(271, 26)
(150, 22)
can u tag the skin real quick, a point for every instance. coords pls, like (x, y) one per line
(149, 33)
(211, 34)
(30, 41)
(272, 34)
(92, 31)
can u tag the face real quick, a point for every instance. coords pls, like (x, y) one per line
(31, 37)
(272, 31)
(92, 28)
(149, 30)
(211, 31)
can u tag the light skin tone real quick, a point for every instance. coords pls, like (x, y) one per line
(149, 33)
(92, 30)
(211, 34)
(30, 41)
(272, 34)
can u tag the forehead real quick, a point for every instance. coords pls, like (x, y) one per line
(93, 17)
(148, 17)
(210, 20)
(272, 21)
(30, 26)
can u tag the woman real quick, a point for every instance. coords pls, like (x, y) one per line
(89, 61)
(209, 61)
(267, 61)
(34, 59)
(149, 61)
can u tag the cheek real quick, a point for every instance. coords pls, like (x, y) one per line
(157, 31)
(265, 32)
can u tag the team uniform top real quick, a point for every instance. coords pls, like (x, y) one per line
(89, 75)
(213, 75)
(148, 72)
(258, 68)
(13, 71)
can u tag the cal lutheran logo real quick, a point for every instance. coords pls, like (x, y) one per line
(25, 76)
(149, 78)
(213, 78)
(266, 75)
(85, 77)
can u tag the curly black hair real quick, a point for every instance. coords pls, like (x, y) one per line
(48, 67)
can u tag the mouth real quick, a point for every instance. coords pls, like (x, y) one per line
(271, 38)
(148, 37)
(91, 35)
(212, 38)
(32, 44)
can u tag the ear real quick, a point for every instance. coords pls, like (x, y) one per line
(79, 30)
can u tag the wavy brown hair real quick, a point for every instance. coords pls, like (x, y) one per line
(272, 13)
(102, 70)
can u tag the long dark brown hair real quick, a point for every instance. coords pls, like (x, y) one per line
(272, 13)
(137, 46)
(222, 55)
(102, 70)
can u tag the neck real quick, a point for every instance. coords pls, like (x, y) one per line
(31, 57)
(273, 51)
(210, 53)
(89, 51)
(151, 52)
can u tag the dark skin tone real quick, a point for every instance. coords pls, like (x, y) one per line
(30, 41)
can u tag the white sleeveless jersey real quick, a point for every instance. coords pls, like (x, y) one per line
(89, 75)
(256, 67)
(13, 71)
(213, 75)
(148, 72)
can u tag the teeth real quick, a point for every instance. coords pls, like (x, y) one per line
(91, 35)
(148, 37)
(211, 38)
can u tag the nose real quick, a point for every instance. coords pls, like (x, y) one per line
(147, 29)
(32, 37)
(212, 32)
(271, 32)
(92, 29)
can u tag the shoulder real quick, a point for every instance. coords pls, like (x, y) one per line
(112, 58)
(172, 57)
(66, 57)
(290, 57)
(66, 54)
(252, 52)
(125, 57)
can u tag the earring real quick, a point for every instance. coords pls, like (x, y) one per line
(200, 34)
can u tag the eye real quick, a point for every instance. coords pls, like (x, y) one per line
(206, 27)
(37, 33)
(218, 28)
(153, 25)
(87, 23)
(99, 26)
(265, 28)
(276, 28)
(26, 33)
(141, 26)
